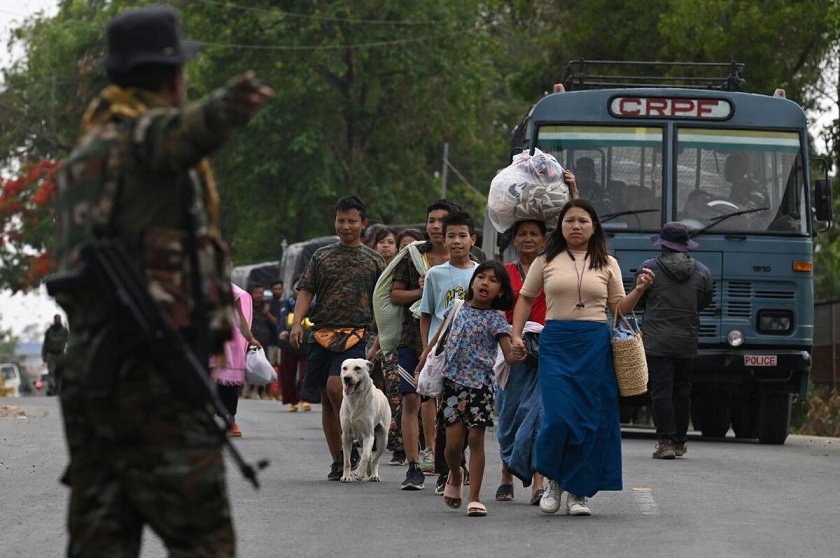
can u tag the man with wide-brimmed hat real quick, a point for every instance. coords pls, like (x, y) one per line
(672, 305)
(140, 455)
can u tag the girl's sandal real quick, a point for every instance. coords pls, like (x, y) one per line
(476, 509)
(452, 494)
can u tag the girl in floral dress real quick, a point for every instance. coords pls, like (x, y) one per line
(471, 344)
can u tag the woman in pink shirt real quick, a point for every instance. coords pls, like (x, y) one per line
(229, 374)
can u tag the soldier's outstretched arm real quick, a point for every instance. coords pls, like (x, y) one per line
(176, 139)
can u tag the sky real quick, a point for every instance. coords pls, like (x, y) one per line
(19, 311)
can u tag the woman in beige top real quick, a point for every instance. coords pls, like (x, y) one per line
(578, 446)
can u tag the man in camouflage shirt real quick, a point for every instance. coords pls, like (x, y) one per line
(139, 454)
(342, 277)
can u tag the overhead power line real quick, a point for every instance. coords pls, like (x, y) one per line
(279, 12)
(372, 44)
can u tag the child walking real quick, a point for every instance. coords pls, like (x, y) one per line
(471, 345)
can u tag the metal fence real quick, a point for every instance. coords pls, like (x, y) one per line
(825, 370)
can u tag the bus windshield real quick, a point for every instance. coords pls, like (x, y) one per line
(740, 181)
(617, 168)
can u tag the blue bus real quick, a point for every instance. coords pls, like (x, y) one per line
(734, 167)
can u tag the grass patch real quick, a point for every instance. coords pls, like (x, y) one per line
(819, 415)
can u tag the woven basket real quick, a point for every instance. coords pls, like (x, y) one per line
(629, 362)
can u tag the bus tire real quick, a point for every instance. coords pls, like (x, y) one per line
(745, 419)
(710, 417)
(774, 417)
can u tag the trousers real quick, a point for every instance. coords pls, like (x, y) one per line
(139, 456)
(670, 380)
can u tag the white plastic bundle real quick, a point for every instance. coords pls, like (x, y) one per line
(531, 187)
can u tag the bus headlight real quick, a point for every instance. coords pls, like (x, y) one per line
(775, 321)
(735, 338)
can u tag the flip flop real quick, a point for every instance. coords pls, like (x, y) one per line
(504, 493)
(476, 509)
(536, 497)
(452, 494)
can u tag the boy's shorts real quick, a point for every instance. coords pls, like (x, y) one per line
(322, 363)
(408, 359)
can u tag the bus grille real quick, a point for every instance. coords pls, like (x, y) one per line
(741, 294)
(710, 317)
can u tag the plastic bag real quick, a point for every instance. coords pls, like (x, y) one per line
(531, 187)
(430, 380)
(258, 370)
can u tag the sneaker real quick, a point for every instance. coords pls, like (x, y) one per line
(440, 484)
(664, 450)
(576, 505)
(680, 448)
(427, 461)
(550, 501)
(293, 408)
(414, 478)
(337, 468)
(307, 406)
(398, 458)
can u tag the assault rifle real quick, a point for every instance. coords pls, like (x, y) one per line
(140, 324)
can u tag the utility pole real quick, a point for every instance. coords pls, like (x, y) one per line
(445, 171)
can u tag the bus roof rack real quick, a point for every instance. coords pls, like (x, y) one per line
(610, 74)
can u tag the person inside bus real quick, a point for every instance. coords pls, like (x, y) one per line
(746, 192)
(587, 182)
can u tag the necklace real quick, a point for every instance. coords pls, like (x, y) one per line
(579, 274)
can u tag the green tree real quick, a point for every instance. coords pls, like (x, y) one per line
(368, 93)
(8, 344)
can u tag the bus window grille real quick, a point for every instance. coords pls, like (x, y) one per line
(708, 331)
(739, 289)
(778, 294)
(738, 309)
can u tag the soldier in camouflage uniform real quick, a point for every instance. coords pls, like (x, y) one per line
(139, 454)
(342, 277)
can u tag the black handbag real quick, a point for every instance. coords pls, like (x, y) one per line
(532, 348)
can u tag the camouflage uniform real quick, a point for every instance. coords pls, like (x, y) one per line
(139, 455)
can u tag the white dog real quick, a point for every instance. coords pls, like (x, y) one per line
(365, 415)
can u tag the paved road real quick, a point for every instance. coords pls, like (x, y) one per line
(725, 498)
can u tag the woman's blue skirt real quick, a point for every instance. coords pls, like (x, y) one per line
(579, 441)
(520, 412)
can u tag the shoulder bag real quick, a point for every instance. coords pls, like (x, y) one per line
(430, 381)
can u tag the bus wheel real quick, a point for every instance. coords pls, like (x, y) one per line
(774, 417)
(709, 417)
(745, 419)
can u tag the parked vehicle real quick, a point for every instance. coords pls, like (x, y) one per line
(657, 152)
(12, 380)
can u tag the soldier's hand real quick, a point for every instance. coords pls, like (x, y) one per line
(248, 95)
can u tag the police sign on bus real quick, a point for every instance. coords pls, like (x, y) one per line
(670, 107)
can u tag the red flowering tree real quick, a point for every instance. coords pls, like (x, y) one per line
(26, 225)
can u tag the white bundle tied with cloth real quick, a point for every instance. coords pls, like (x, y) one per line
(531, 187)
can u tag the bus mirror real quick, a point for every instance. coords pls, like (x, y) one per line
(822, 199)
